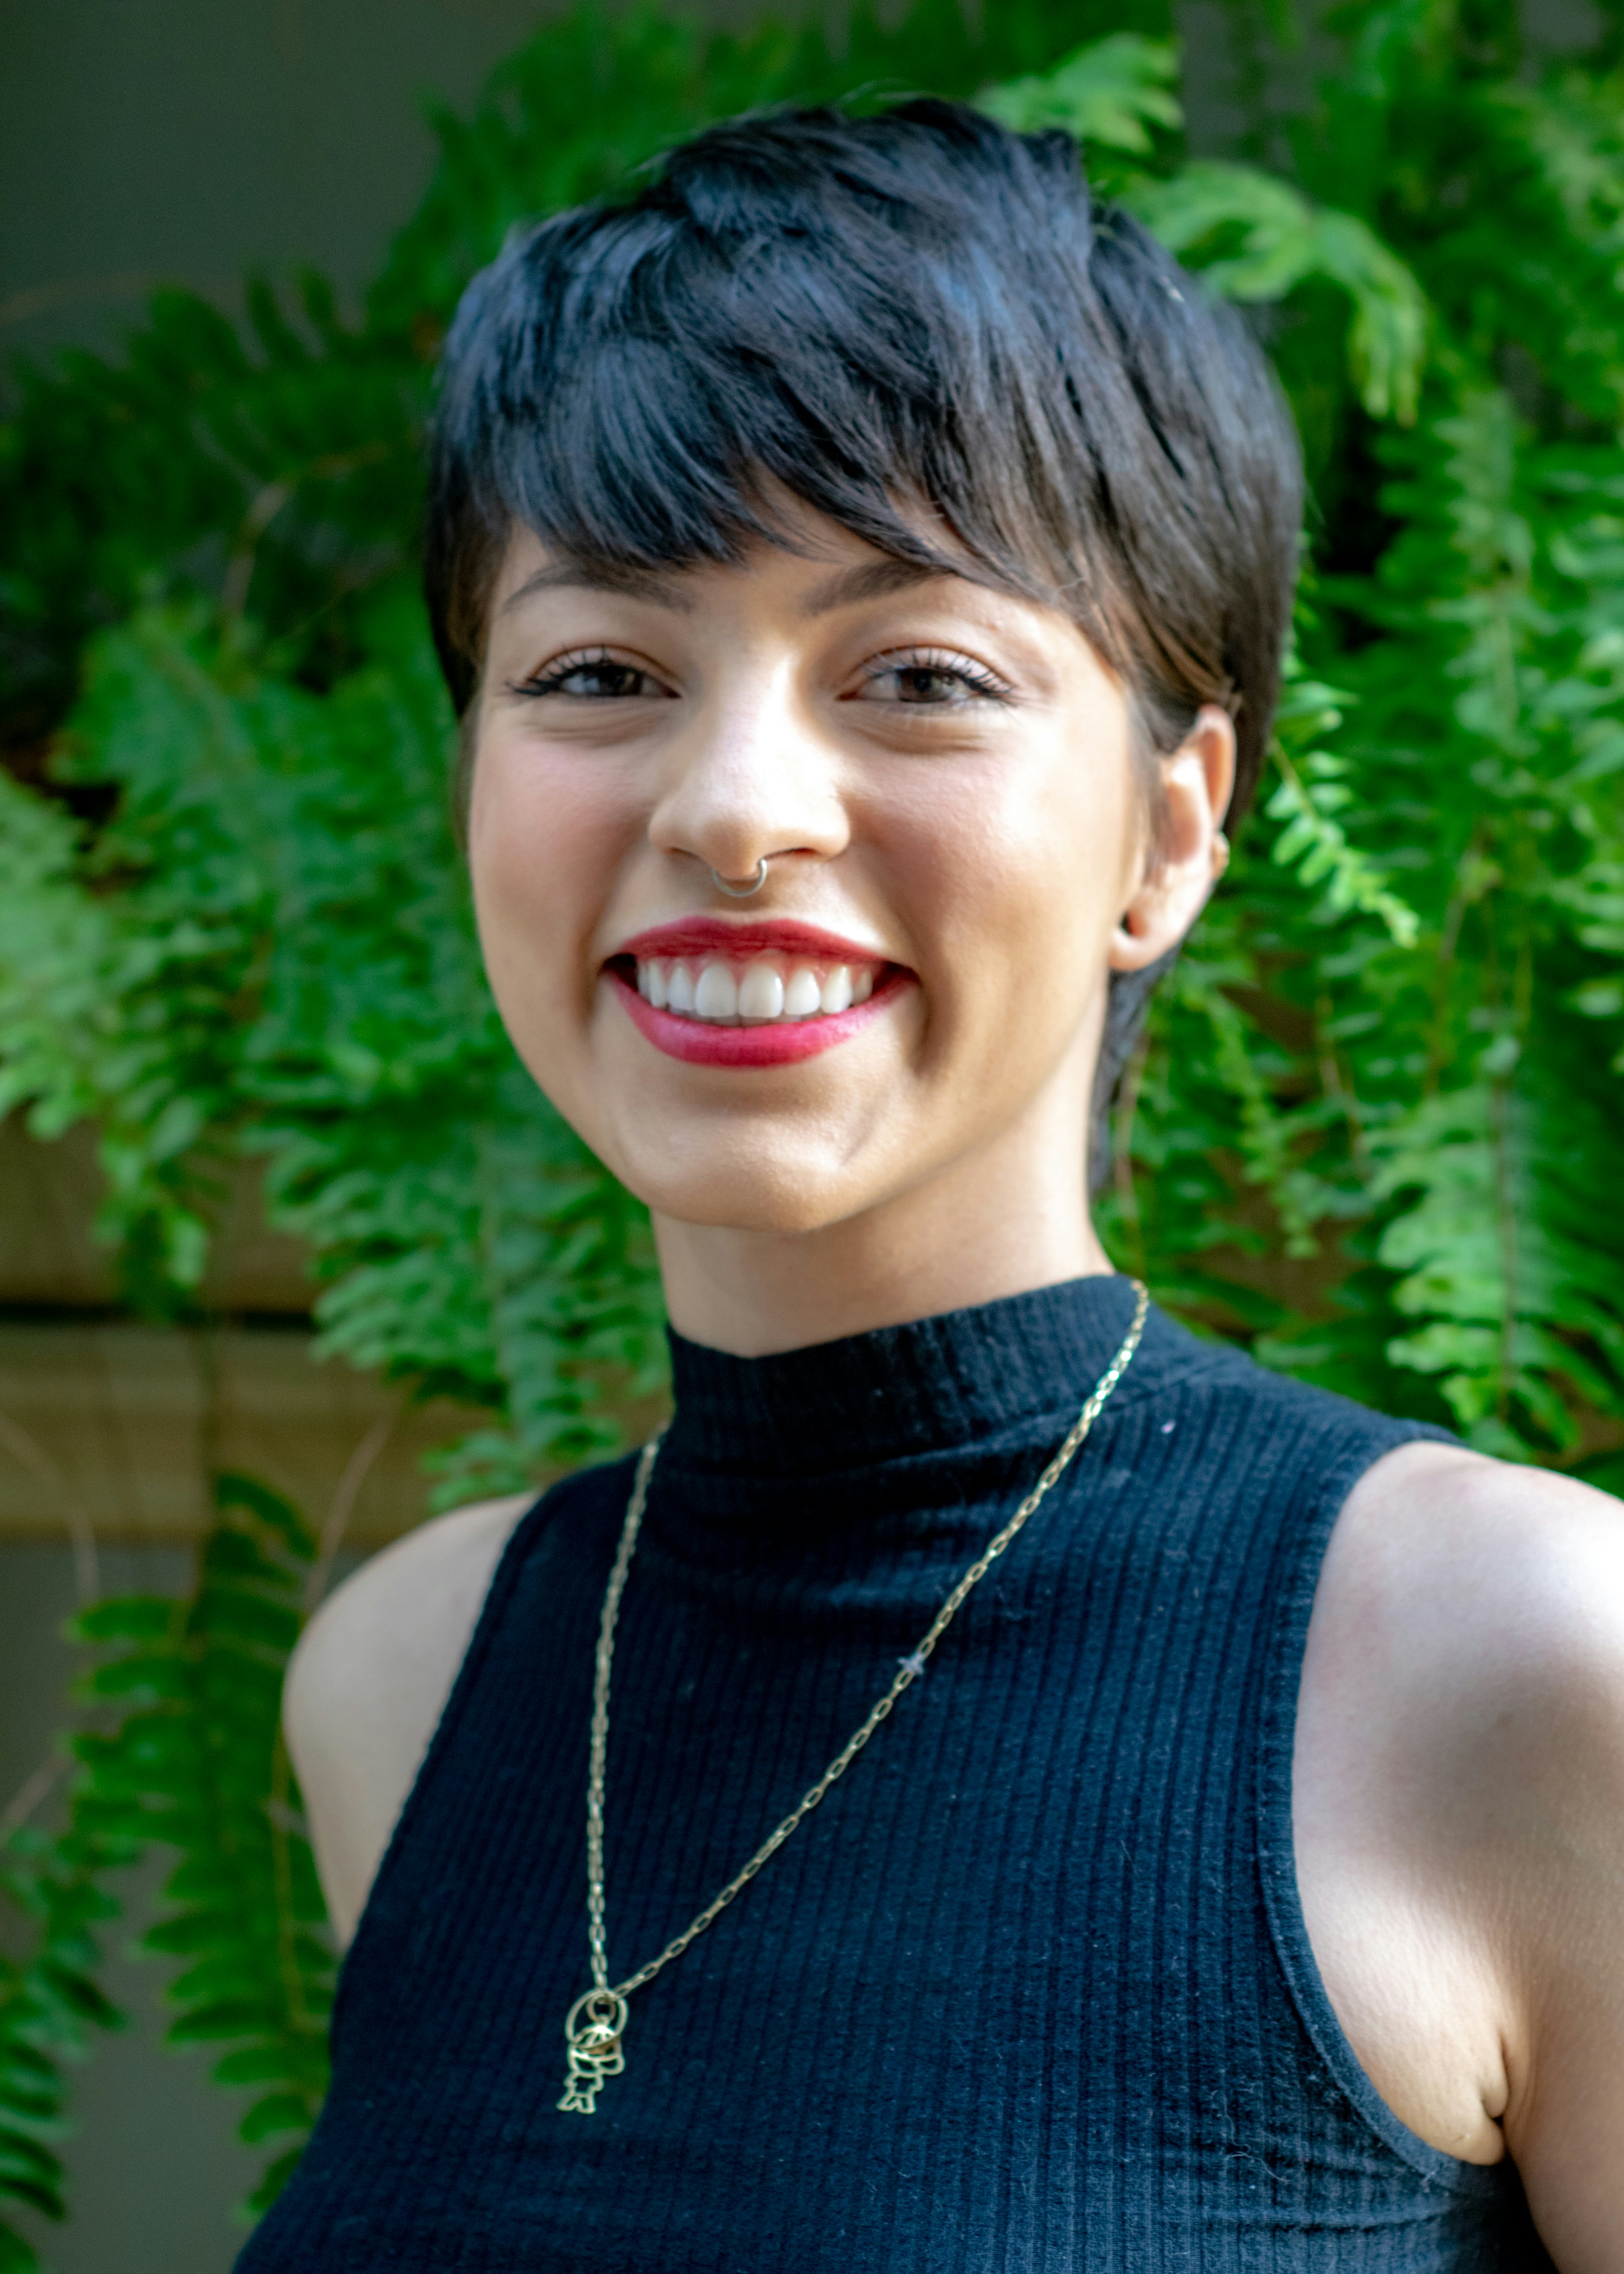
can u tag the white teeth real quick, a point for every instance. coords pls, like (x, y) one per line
(717, 994)
(836, 992)
(761, 992)
(802, 997)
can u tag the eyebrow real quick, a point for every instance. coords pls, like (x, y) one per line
(870, 580)
(628, 578)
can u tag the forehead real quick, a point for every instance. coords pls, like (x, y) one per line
(809, 567)
(818, 587)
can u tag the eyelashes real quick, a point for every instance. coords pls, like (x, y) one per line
(598, 673)
(911, 678)
(933, 679)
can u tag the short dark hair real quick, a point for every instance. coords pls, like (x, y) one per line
(906, 318)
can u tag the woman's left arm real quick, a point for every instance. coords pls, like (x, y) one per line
(1516, 1650)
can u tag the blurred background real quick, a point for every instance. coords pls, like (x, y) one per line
(291, 1253)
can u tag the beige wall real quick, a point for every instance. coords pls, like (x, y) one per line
(110, 1421)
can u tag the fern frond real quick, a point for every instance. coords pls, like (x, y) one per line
(195, 1762)
(1253, 237)
(1112, 91)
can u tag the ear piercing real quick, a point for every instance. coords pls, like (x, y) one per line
(742, 891)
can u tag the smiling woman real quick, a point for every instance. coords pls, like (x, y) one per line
(910, 1010)
(858, 525)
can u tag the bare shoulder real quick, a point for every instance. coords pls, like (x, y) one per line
(1473, 1486)
(1489, 1599)
(1464, 1695)
(369, 1682)
(1473, 1554)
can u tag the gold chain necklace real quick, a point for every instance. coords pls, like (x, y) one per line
(597, 2021)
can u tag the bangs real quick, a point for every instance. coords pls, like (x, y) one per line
(917, 325)
(637, 386)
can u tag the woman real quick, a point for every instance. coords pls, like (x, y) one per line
(863, 569)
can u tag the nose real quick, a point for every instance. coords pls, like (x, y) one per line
(749, 782)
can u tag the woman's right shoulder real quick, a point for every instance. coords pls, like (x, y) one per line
(370, 1679)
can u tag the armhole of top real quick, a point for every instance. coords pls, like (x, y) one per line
(492, 1612)
(1276, 1847)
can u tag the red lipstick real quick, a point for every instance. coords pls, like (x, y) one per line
(698, 936)
(700, 1043)
(687, 951)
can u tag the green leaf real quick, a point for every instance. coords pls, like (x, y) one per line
(235, 1616)
(125, 1618)
(78, 1995)
(1314, 842)
(193, 1931)
(278, 2112)
(222, 2018)
(22, 2157)
(46, 2200)
(1255, 237)
(16, 2255)
(22, 2067)
(1111, 92)
(268, 1508)
(293, 2062)
(276, 2177)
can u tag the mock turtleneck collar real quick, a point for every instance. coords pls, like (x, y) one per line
(919, 1388)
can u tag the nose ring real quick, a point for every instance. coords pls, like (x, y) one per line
(742, 891)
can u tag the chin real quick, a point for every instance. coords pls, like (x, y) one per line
(782, 1175)
(762, 1198)
(785, 1151)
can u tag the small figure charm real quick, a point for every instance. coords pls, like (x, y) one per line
(592, 2033)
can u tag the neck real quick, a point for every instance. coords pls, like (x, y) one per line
(1010, 1216)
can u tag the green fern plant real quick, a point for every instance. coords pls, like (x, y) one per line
(195, 1761)
(50, 2005)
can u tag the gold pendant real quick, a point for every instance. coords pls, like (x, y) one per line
(592, 2035)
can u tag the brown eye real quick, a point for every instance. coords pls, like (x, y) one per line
(592, 679)
(930, 682)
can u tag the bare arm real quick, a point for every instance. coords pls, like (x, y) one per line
(369, 1682)
(1461, 1782)
(1554, 1776)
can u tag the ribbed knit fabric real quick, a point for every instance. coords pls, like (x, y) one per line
(1031, 1991)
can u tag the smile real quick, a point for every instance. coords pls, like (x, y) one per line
(757, 994)
(766, 988)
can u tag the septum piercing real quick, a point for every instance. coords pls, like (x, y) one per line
(742, 891)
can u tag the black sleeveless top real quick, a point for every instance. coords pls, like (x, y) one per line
(1030, 1991)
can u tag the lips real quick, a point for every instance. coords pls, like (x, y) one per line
(710, 992)
(702, 935)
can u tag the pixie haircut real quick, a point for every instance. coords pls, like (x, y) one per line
(921, 326)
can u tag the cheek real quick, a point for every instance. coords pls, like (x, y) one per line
(541, 839)
(1020, 874)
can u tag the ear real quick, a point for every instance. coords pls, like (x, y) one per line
(1177, 873)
